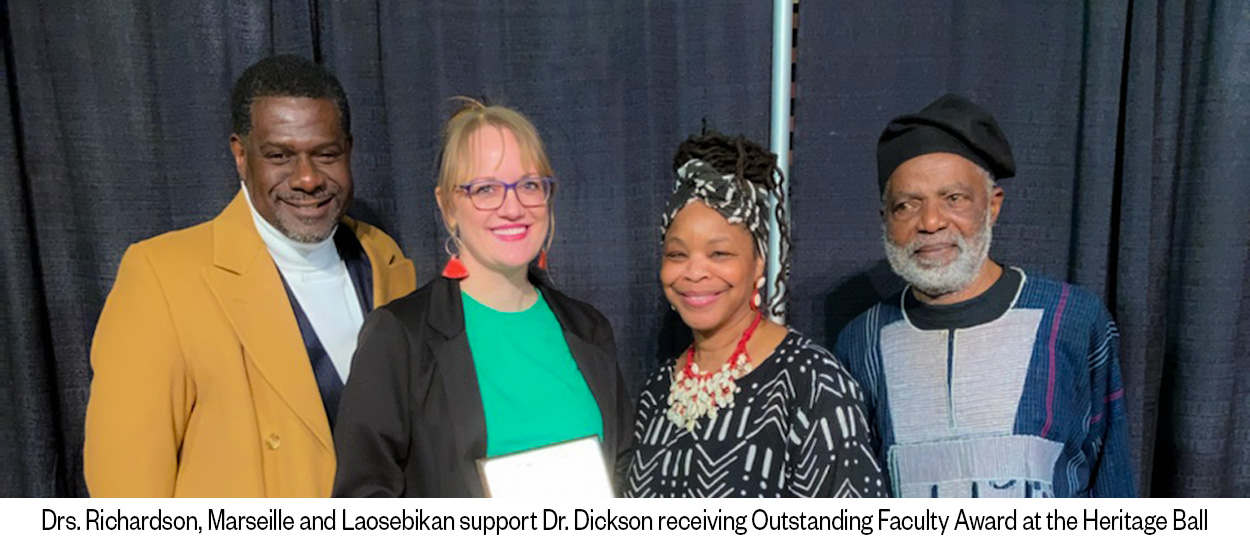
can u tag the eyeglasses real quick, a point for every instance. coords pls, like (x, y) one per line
(489, 194)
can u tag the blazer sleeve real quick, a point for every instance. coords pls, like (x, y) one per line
(372, 434)
(623, 424)
(141, 392)
(625, 435)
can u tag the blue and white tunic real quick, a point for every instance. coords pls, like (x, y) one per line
(1016, 392)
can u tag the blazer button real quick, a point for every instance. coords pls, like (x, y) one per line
(273, 441)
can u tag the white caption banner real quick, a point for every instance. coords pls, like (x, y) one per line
(218, 523)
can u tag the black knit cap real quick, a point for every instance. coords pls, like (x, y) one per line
(952, 124)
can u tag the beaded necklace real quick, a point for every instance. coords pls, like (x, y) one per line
(694, 395)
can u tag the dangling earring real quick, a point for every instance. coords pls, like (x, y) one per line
(756, 299)
(551, 224)
(455, 268)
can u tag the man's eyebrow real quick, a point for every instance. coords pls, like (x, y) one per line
(902, 195)
(958, 186)
(291, 146)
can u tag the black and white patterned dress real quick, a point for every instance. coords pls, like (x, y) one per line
(796, 429)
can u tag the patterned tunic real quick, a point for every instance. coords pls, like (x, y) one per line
(796, 428)
(1027, 403)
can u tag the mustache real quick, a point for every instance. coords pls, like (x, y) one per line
(321, 194)
(946, 237)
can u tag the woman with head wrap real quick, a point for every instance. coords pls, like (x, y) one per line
(752, 408)
(487, 359)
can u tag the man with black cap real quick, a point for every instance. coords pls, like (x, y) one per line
(982, 380)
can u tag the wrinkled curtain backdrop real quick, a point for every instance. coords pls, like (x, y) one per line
(1130, 122)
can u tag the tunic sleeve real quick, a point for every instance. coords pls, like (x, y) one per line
(831, 441)
(854, 350)
(1111, 471)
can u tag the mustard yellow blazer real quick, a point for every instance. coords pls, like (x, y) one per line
(202, 384)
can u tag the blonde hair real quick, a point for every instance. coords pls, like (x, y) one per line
(455, 157)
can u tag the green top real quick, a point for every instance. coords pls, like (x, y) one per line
(532, 392)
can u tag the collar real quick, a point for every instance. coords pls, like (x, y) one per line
(289, 254)
(978, 310)
(447, 308)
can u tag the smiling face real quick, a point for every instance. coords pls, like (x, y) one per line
(937, 215)
(505, 239)
(709, 268)
(296, 165)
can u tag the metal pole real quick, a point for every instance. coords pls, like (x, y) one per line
(783, 27)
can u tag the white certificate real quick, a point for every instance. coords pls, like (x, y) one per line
(573, 468)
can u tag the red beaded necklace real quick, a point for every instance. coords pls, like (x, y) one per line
(693, 395)
(740, 349)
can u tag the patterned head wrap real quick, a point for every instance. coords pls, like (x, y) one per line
(737, 200)
(740, 201)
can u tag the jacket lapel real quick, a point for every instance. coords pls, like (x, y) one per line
(597, 368)
(454, 361)
(393, 275)
(246, 284)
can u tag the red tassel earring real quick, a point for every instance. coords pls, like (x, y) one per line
(542, 260)
(455, 268)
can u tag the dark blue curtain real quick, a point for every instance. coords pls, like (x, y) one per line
(1128, 119)
(1182, 284)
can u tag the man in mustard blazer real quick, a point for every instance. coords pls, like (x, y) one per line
(222, 347)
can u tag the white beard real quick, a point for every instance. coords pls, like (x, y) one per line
(937, 279)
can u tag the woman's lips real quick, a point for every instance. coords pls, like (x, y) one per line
(699, 299)
(511, 233)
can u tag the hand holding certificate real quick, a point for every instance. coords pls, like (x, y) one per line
(573, 468)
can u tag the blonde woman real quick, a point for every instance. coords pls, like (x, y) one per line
(487, 359)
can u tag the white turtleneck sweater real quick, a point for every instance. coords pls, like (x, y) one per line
(318, 278)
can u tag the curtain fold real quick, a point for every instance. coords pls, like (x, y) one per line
(30, 441)
(1182, 294)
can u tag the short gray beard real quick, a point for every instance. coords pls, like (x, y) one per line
(938, 280)
(306, 238)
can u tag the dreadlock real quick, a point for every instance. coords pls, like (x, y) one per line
(731, 155)
(752, 163)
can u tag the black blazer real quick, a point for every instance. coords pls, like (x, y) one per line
(410, 422)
